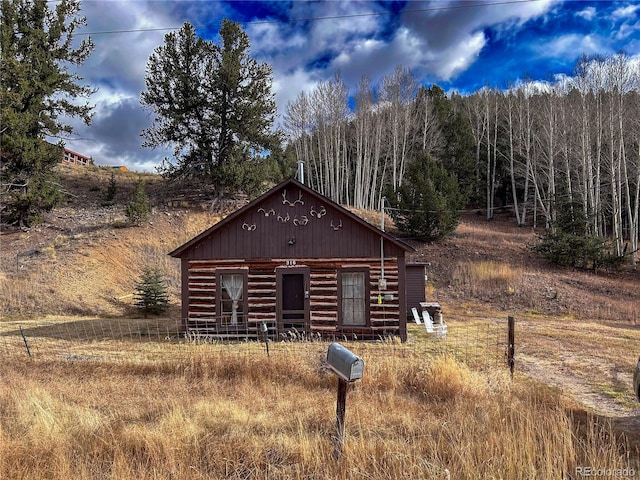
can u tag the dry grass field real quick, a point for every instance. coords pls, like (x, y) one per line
(219, 412)
(103, 405)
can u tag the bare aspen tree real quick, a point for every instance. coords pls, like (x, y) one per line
(494, 159)
(490, 112)
(634, 232)
(563, 142)
(429, 132)
(474, 105)
(613, 158)
(597, 84)
(510, 103)
(364, 106)
(543, 165)
(398, 91)
(525, 138)
(367, 181)
(582, 84)
(330, 113)
(622, 78)
(549, 122)
(297, 124)
(486, 97)
(633, 175)
(321, 121)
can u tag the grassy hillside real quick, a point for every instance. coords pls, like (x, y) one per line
(84, 259)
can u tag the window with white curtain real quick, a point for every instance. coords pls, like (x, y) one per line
(232, 298)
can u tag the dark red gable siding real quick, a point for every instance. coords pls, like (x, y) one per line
(290, 221)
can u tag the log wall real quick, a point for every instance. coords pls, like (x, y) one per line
(261, 295)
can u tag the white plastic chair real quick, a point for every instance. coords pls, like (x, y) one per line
(439, 330)
(428, 323)
(416, 317)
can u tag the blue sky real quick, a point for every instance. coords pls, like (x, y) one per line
(459, 45)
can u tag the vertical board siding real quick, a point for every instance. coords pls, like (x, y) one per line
(415, 286)
(293, 223)
(323, 293)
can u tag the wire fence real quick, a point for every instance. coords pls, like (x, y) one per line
(480, 343)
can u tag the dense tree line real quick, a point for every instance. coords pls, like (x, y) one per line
(353, 156)
(536, 147)
(573, 145)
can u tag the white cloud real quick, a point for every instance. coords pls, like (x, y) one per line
(445, 41)
(588, 13)
(119, 59)
(305, 53)
(626, 12)
(627, 30)
(287, 87)
(357, 62)
(271, 38)
(460, 56)
(572, 45)
(445, 26)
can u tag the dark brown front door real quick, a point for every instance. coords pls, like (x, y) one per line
(293, 299)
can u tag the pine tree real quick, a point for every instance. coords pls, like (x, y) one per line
(428, 205)
(213, 103)
(37, 91)
(112, 189)
(457, 153)
(151, 292)
(138, 208)
(569, 243)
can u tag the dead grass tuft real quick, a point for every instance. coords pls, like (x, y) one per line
(449, 381)
(488, 278)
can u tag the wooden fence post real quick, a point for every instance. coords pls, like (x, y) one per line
(24, 338)
(511, 344)
(265, 331)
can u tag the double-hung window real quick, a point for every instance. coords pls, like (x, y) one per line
(354, 297)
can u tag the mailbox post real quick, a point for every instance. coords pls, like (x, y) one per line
(349, 368)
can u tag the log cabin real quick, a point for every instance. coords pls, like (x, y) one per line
(293, 263)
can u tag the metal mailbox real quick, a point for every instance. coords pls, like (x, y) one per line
(346, 364)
